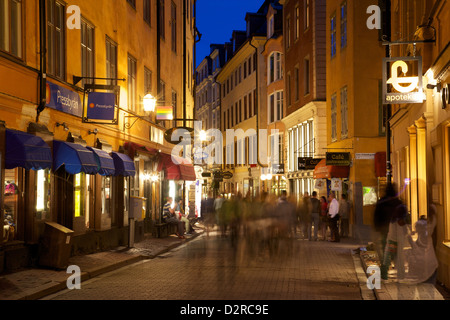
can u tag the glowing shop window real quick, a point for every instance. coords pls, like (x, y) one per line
(78, 194)
(40, 197)
(369, 196)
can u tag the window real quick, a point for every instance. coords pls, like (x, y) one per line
(148, 11)
(55, 38)
(132, 83)
(174, 26)
(43, 187)
(344, 24)
(289, 89)
(270, 27)
(306, 14)
(276, 148)
(275, 112)
(79, 189)
(245, 108)
(162, 92)
(162, 22)
(106, 196)
(275, 71)
(252, 150)
(297, 23)
(333, 35)
(245, 69)
(175, 106)
(288, 32)
(333, 118)
(111, 61)
(307, 76)
(11, 27)
(344, 113)
(297, 83)
(147, 81)
(87, 52)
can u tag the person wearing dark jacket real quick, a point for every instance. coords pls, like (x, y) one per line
(383, 215)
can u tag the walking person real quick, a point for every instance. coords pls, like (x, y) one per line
(384, 211)
(324, 223)
(315, 216)
(395, 242)
(333, 213)
(305, 215)
(344, 214)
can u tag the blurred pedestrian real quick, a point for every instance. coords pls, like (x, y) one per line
(344, 215)
(315, 216)
(333, 213)
(305, 214)
(395, 243)
(324, 223)
(384, 211)
(182, 216)
(422, 260)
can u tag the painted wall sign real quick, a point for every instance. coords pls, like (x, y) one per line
(338, 158)
(101, 106)
(63, 99)
(402, 80)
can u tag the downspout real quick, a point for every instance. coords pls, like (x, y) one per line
(259, 105)
(43, 60)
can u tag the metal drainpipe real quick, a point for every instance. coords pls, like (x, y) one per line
(256, 109)
(43, 59)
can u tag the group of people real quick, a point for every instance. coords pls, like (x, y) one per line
(309, 217)
(178, 217)
(394, 230)
(324, 214)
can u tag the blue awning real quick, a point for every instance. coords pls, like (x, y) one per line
(26, 151)
(124, 165)
(105, 162)
(75, 157)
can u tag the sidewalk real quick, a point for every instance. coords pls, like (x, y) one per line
(33, 284)
(392, 289)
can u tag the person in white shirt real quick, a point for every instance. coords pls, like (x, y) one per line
(333, 212)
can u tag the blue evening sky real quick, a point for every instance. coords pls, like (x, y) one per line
(216, 20)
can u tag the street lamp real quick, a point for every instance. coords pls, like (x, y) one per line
(149, 103)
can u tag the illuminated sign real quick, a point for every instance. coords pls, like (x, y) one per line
(403, 84)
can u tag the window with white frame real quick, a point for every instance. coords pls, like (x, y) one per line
(275, 110)
(252, 150)
(270, 27)
(276, 148)
(344, 113)
(333, 118)
(275, 67)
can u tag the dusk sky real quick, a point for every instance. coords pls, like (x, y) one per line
(216, 20)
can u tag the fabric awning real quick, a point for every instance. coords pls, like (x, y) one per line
(322, 171)
(105, 162)
(74, 157)
(133, 147)
(176, 168)
(380, 164)
(26, 151)
(124, 164)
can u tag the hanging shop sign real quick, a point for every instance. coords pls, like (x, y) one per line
(62, 99)
(278, 168)
(320, 184)
(336, 184)
(101, 106)
(445, 96)
(305, 163)
(402, 80)
(338, 159)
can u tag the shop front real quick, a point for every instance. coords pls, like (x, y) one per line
(331, 178)
(178, 181)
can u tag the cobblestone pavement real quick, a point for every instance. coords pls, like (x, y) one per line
(209, 268)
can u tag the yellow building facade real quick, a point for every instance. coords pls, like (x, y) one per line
(354, 112)
(117, 43)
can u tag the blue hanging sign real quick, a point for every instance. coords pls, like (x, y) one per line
(101, 106)
(62, 99)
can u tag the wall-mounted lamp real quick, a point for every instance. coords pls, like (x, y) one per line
(437, 86)
(95, 131)
(64, 125)
(149, 103)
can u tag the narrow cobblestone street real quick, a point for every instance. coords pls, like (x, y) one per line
(209, 268)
